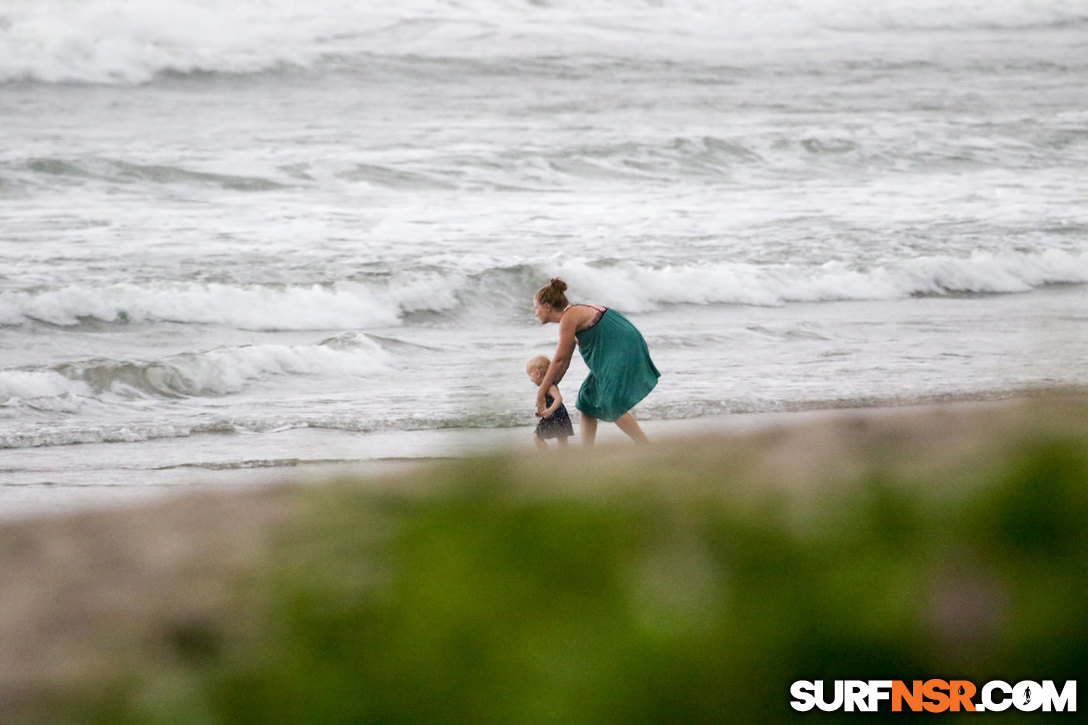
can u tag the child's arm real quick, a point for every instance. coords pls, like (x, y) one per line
(558, 400)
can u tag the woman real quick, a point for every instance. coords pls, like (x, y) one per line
(621, 372)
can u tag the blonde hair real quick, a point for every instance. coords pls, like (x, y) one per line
(553, 294)
(539, 362)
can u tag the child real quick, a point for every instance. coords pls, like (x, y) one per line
(554, 420)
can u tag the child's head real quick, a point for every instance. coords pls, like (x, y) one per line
(537, 368)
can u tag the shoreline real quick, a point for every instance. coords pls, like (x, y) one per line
(248, 463)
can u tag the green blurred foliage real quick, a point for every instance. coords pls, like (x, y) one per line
(667, 594)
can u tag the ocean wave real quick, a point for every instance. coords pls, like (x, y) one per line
(133, 41)
(124, 172)
(762, 154)
(46, 437)
(691, 159)
(630, 286)
(256, 463)
(640, 288)
(49, 435)
(344, 305)
(44, 390)
(664, 161)
(216, 372)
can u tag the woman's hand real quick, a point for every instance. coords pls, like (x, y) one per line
(541, 400)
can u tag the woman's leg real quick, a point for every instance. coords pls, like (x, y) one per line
(630, 426)
(588, 426)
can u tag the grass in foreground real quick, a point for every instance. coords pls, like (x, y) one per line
(689, 584)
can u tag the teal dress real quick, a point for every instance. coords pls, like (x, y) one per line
(621, 372)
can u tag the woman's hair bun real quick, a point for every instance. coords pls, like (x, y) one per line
(552, 294)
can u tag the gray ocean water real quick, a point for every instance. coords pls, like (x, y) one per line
(256, 239)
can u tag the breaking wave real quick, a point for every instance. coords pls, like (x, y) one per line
(345, 305)
(625, 285)
(74, 171)
(638, 288)
(133, 41)
(221, 371)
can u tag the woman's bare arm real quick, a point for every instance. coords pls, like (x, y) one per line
(564, 353)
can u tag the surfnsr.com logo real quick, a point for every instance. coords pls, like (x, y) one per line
(933, 696)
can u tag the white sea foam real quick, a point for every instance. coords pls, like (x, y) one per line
(634, 287)
(628, 285)
(230, 370)
(217, 372)
(131, 41)
(72, 435)
(346, 305)
(29, 385)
